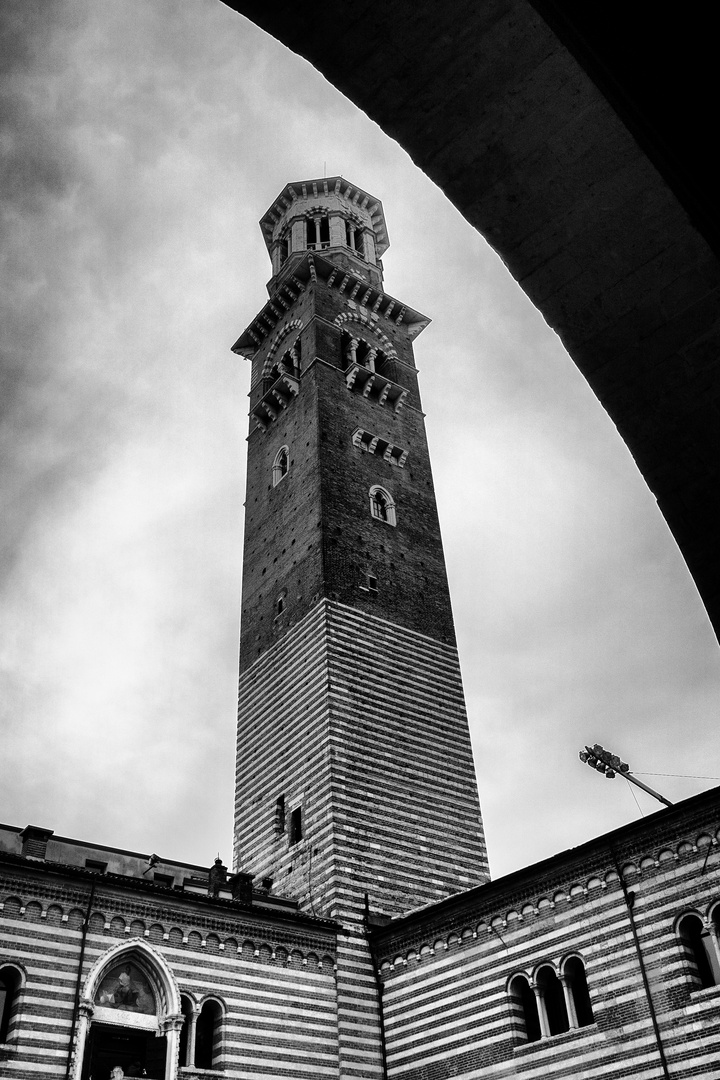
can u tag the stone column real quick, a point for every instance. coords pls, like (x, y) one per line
(542, 1011)
(171, 1026)
(569, 1000)
(85, 1012)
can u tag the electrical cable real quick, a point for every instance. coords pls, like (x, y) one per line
(685, 776)
(632, 792)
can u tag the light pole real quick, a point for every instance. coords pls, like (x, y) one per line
(597, 757)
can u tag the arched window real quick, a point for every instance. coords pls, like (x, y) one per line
(354, 237)
(524, 1009)
(382, 506)
(700, 951)
(10, 985)
(281, 464)
(577, 995)
(551, 1001)
(287, 364)
(318, 232)
(208, 1035)
(187, 1035)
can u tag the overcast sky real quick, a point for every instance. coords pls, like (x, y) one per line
(142, 141)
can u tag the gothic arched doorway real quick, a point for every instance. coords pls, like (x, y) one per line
(130, 1017)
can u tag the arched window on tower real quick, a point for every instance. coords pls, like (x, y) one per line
(318, 233)
(208, 1035)
(382, 506)
(354, 237)
(287, 364)
(700, 951)
(524, 1010)
(10, 986)
(281, 465)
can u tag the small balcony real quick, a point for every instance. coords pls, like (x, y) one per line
(375, 387)
(277, 398)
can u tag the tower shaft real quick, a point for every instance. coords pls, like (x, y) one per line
(354, 764)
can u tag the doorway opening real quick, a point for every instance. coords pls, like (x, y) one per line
(137, 1052)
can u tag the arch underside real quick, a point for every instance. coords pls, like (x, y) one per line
(607, 232)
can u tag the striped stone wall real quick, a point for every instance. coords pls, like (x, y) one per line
(363, 724)
(446, 972)
(275, 978)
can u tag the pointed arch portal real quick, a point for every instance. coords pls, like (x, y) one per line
(130, 1015)
(576, 163)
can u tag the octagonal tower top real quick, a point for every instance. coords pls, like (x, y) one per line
(330, 216)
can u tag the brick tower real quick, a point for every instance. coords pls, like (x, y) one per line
(354, 765)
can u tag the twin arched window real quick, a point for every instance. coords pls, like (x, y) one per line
(201, 1036)
(551, 1004)
(382, 507)
(281, 465)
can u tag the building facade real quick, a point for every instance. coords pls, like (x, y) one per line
(360, 935)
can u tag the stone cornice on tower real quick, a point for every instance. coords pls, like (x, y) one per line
(312, 268)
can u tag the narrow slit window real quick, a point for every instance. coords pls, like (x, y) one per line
(296, 825)
(280, 814)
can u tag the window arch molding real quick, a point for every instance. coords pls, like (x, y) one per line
(382, 505)
(713, 915)
(292, 328)
(281, 465)
(360, 326)
(13, 978)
